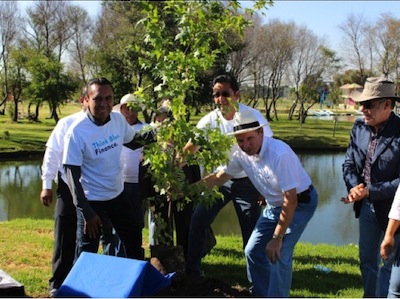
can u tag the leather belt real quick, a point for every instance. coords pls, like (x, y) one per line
(304, 197)
(239, 179)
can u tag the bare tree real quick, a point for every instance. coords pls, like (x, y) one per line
(277, 42)
(387, 41)
(240, 60)
(81, 35)
(9, 28)
(50, 27)
(355, 31)
(306, 69)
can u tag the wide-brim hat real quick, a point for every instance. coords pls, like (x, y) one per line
(128, 98)
(376, 88)
(244, 122)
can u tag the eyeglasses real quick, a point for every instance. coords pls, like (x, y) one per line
(371, 104)
(224, 93)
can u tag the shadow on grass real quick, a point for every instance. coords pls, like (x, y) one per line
(306, 281)
(323, 284)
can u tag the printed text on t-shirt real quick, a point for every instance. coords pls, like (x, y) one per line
(105, 144)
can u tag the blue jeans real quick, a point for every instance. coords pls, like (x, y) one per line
(132, 193)
(116, 218)
(275, 279)
(245, 199)
(394, 284)
(375, 272)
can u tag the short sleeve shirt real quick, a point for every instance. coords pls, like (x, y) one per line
(276, 169)
(97, 149)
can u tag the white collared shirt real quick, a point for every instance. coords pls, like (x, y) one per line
(274, 170)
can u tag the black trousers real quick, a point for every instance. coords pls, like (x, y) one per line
(64, 235)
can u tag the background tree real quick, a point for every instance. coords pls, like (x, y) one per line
(112, 54)
(49, 34)
(48, 82)
(80, 41)
(306, 69)
(114, 46)
(279, 39)
(17, 79)
(9, 28)
(386, 37)
(239, 60)
(355, 31)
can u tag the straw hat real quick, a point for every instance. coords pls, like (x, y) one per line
(244, 122)
(375, 88)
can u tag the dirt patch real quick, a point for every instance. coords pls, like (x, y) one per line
(186, 286)
(170, 259)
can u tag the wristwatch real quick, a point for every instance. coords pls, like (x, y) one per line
(278, 237)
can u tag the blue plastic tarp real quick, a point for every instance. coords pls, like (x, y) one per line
(103, 276)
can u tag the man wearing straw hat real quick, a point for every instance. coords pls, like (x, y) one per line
(239, 190)
(371, 171)
(278, 175)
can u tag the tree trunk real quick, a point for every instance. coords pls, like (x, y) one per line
(291, 110)
(35, 117)
(53, 111)
(15, 116)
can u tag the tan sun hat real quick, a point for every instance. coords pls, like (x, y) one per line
(128, 98)
(375, 88)
(244, 122)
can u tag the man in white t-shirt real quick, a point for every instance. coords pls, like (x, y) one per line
(92, 165)
(278, 175)
(64, 211)
(130, 159)
(239, 189)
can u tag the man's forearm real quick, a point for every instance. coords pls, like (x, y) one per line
(216, 179)
(141, 138)
(73, 174)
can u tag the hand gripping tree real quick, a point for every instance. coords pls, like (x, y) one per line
(174, 60)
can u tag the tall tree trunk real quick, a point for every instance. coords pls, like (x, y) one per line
(35, 117)
(15, 116)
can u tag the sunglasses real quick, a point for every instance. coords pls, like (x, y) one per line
(224, 93)
(371, 104)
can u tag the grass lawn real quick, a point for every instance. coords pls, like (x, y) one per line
(26, 248)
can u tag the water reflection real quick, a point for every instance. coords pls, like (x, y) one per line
(20, 186)
(333, 222)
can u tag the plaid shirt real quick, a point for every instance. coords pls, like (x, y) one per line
(373, 142)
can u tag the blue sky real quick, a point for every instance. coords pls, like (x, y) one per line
(322, 17)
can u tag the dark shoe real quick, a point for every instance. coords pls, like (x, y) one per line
(195, 274)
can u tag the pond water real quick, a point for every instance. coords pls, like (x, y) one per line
(333, 221)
